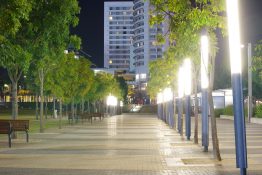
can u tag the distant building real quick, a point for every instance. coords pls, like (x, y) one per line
(130, 43)
(144, 41)
(118, 34)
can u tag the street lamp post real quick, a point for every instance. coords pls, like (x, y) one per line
(180, 100)
(111, 103)
(159, 105)
(168, 101)
(204, 87)
(236, 78)
(187, 70)
(250, 101)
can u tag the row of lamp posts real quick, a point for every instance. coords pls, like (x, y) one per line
(165, 103)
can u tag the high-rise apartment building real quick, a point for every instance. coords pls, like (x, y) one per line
(118, 34)
(129, 41)
(144, 40)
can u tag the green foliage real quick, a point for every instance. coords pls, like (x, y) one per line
(104, 84)
(123, 88)
(228, 110)
(12, 13)
(219, 112)
(258, 111)
(186, 20)
(164, 71)
(257, 71)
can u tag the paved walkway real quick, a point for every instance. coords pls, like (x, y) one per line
(126, 144)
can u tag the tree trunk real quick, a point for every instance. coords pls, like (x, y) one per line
(88, 105)
(60, 113)
(72, 111)
(175, 118)
(216, 150)
(36, 107)
(41, 78)
(76, 109)
(54, 107)
(196, 110)
(14, 100)
(66, 110)
(46, 108)
(14, 77)
(83, 106)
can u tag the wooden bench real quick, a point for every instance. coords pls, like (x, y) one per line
(97, 115)
(17, 125)
(86, 116)
(71, 119)
(5, 128)
(90, 116)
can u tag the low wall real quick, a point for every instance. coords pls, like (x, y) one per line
(253, 120)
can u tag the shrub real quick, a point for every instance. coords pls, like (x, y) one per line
(258, 111)
(219, 112)
(228, 110)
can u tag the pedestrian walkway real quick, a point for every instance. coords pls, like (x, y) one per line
(134, 144)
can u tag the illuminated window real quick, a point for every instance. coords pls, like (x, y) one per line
(143, 76)
(137, 76)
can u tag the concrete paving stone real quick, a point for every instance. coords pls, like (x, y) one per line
(126, 144)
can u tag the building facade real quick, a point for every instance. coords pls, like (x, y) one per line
(130, 41)
(144, 41)
(118, 34)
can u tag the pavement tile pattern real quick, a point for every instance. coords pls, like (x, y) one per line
(126, 145)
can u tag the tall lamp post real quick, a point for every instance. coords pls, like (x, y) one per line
(236, 78)
(159, 105)
(180, 100)
(168, 101)
(204, 87)
(187, 70)
(250, 101)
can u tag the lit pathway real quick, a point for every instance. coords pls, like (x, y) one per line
(127, 144)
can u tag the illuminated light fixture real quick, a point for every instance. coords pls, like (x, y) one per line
(159, 98)
(137, 77)
(234, 36)
(76, 57)
(187, 75)
(204, 62)
(111, 101)
(110, 61)
(143, 76)
(121, 104)
(236, 79)
(167, 94)
(181, 82)
(110, 18)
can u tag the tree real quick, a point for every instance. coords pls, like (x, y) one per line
(12, 13)
(186, 19)
(124, 88)
(257, 71)
(104, 85)
(162, 70)
(14, 53)
(48, 32)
